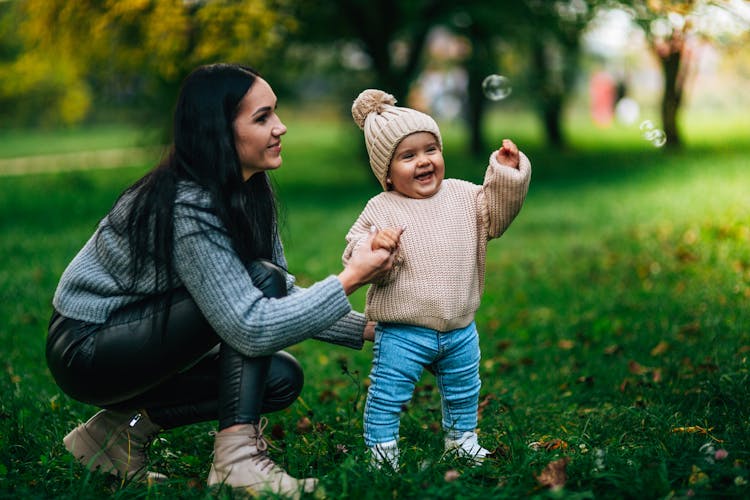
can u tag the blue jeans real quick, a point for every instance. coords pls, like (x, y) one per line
(400, 354)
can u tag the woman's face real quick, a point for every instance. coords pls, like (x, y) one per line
(258, 130)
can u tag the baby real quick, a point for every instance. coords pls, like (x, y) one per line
(425, 305)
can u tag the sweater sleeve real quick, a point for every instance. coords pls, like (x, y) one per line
(239, 313)
(345, 332)
(503, 193)
(358, 233)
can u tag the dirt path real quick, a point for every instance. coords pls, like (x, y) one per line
(84, 160)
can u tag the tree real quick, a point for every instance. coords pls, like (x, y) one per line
(144, 47)
(391, 33)
(673, 28)
(556, 52)
(549, 33)
(33, 89)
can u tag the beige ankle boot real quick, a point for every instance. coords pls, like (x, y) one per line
(241, 461)
(116, 443)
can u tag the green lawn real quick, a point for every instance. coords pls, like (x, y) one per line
(614, 326)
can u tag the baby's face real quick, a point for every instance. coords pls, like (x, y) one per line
(417, 168)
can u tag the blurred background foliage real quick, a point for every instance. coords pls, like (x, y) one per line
(66, 63)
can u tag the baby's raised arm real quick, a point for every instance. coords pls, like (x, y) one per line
(508, 154)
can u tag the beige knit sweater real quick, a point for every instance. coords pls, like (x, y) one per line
(438, 278)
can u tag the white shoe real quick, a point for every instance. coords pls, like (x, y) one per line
(467, 446)
(384, 454)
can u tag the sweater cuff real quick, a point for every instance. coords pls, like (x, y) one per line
(520, 172)
(348, 330)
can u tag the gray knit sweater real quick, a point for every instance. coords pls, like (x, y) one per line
(206, 265)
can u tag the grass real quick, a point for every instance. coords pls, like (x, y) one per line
(17, 143)
(614, 328)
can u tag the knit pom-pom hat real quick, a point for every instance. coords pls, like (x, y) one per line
(385, 125)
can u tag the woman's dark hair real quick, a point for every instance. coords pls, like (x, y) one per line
(203, 151)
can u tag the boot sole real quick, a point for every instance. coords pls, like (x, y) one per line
(91, 454)
(87, 450)
(307, 485)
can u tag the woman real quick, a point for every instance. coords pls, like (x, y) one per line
(177, 308)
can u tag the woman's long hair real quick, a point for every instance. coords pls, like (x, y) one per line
(203, 151)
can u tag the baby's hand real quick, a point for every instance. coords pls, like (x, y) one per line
(508, 154)
(386, 238)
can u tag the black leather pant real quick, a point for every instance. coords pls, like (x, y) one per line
(180, 371)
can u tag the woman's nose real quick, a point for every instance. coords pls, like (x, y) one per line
(279, 129)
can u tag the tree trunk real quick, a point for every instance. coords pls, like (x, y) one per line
(672, 98)
(478, 67)
(552, 117)
(549, 99)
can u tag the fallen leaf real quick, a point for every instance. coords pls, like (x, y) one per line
(697, 477)
(327, 395)
(502, 451)
(565, 344)
(341, 449)
(196, 484)
(554, 476)
(503, 345)
(636, 368)
(690, 329)
(612, 350)
(553, 444)
(660, 348)
(277, 432)
(483, 404)
(304, 425)
(626, 382)
(451, 475)
(696, 429)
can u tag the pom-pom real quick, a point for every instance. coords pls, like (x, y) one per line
(370, 101)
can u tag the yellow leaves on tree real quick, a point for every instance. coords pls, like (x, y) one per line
(142, 39)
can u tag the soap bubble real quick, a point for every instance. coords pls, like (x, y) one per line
(655, 136)
(647, 125)
(496, 87)
(658, 138)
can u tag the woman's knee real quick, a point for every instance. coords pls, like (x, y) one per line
(285, 381)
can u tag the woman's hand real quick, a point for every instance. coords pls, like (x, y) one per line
(367, 265)
(369, 332)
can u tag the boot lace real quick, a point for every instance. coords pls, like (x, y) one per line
(265, 463)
